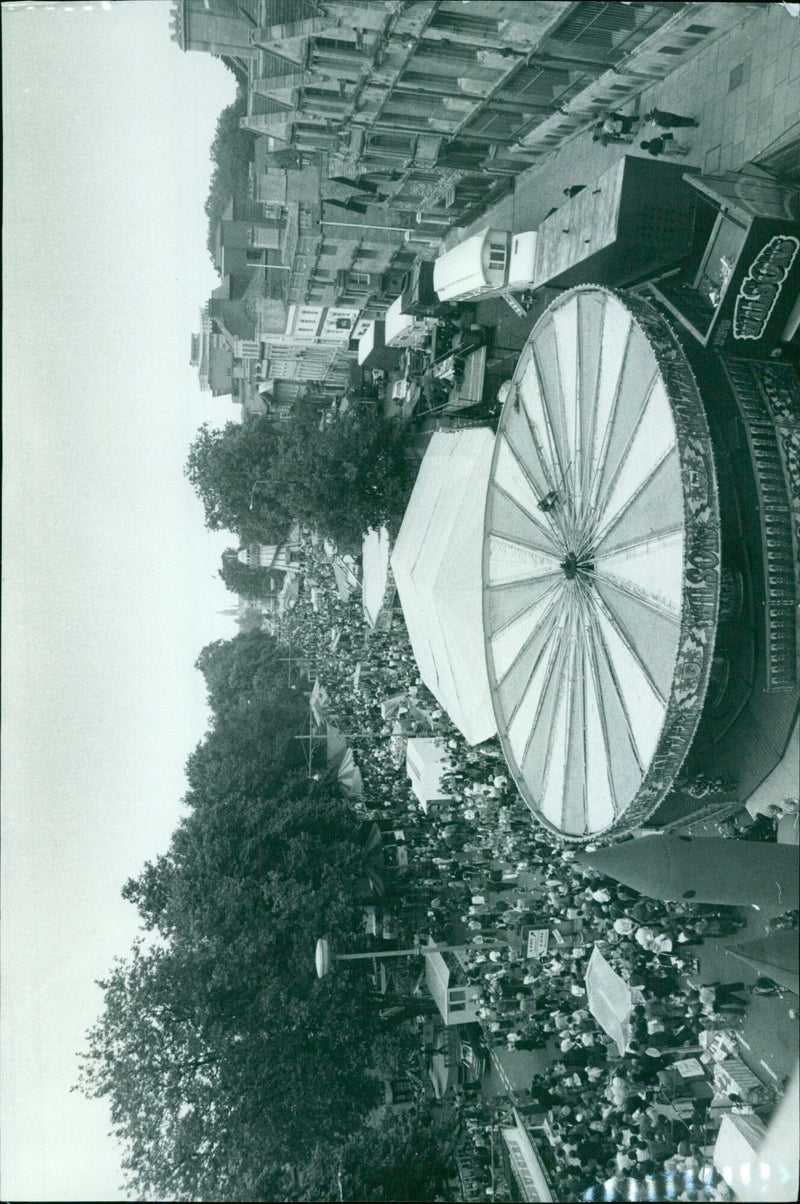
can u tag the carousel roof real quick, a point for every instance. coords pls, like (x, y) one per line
(600, 564)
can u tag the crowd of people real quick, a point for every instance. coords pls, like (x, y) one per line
(480, 872)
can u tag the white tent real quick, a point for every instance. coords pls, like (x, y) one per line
(426, 762)
(375, 572)
(437, 569)
(736, 1154)
(346, 576)
(610, 999)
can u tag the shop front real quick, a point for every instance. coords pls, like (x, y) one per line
(737, 290)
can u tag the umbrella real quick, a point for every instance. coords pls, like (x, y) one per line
(774, 956)
(349, 776)
(373, 860)
(437, 568)
(610, 999)
(336, 744)
(318, 701)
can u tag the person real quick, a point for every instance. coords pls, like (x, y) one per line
(616, 124)
(665, 144)
(666, 120)
(765, 986)
(574, 189)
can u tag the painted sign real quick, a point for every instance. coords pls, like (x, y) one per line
(689, 1068)
(538, 941)
(759, 291)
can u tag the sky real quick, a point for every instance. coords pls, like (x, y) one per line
(109, 578)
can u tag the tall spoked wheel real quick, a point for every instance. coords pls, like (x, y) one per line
(601, 564)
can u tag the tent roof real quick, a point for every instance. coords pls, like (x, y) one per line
(610, 999)
(775, 956)
(436, 564)
(375, 572)
(737, 1143)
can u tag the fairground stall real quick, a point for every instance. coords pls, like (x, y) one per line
(737, 289)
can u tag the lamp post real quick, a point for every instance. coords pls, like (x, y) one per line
(258, 481)
(324, 957)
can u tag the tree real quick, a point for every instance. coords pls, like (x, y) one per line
(249, 581)
(229, 470)
(230, 155)
(343, 478)
(398, 1159)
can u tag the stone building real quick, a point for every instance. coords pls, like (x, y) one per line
(386, 123)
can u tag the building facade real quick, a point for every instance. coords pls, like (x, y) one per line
(381, 124)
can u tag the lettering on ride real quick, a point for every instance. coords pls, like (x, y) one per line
(759, 291)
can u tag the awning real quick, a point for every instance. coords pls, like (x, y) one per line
(426, 762)
(443, 1075)
(526, 1163)
(436, 565)
(345, 576)
(736, 1148)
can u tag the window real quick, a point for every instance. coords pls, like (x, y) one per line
(497, 258)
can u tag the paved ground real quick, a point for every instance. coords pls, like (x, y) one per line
(770, 1034)
(745, 91)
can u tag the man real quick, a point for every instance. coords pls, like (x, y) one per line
(665, 144)
(616, 124)
(666, 120)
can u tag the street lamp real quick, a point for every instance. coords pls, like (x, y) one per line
(258, 481)
(324, 957)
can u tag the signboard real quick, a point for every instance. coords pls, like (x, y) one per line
(762, 290)
(519, 1165)
(689, 1068)
(538, 941)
